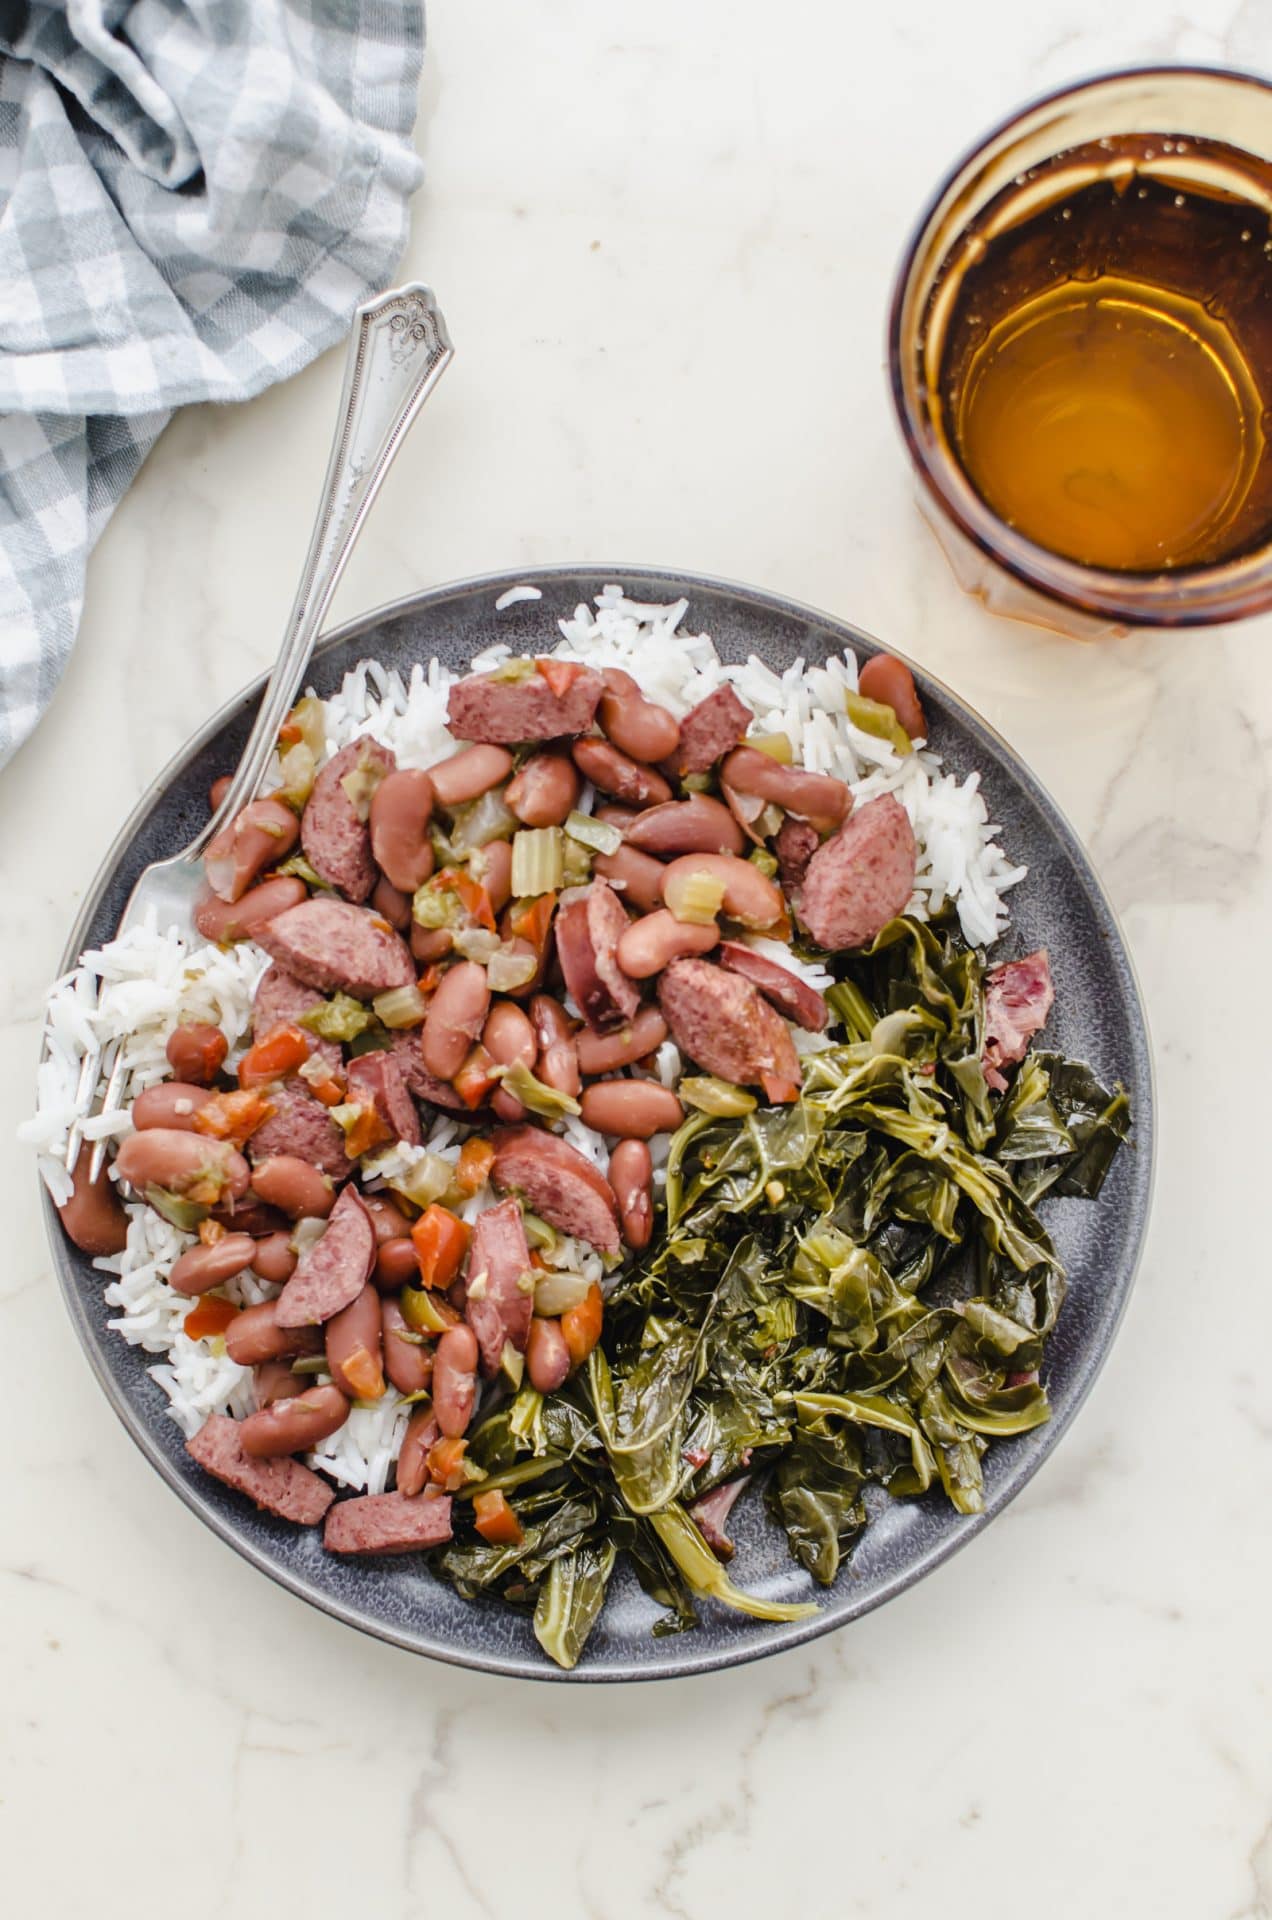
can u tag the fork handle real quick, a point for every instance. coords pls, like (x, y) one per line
(398, 350)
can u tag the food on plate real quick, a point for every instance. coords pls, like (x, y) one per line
(592, 1102)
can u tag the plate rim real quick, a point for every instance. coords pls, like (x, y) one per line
(777, 1639)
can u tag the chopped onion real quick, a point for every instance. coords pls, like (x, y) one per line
(400, 1007)
(776, 745)
(510, 967)
(558, 1292)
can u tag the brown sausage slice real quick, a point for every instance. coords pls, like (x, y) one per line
(300, 1125)
(498, 1308)
(335, 946)
(335, 1269)
(860, 878)
(336, 842)
(387, 1523)
(283, 1486)
(505, 712)
(378, 1078)
(557, 1182)
(408, 1050)
(789, 994)
(708, 731)
(587, 937)
(720, 1021)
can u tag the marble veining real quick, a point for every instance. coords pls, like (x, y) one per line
(663, 239)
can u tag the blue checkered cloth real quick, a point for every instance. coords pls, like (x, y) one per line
(194, 196)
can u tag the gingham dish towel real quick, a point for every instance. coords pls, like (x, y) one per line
(194, 196)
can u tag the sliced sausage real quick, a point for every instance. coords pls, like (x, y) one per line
(407, 1360)
(788, 993)
(198, 1169)
(544, 791)
(455, 1018)
(638, 727)
(636, 876)
(401, 808)
(94, 1216)
(333, 945)
(408, 1050)
(455, 1380)
(720, 1020)
(887, 679)
(377, 1078)
(200, 1268)
(292, 1185)
(708, 731)
(333, 831)
(282, 1486)
(607, 1052)
(631, 1174)
(355, 1347)
(637, 1109)
(387, 1523)
(558, 1182)
(254, 1336)
(246, 918)
(259, 837)
(280, 1001)
(818, 798)
(334, 1270)
(173, 1103)
(499, 1301)
(614, 773)
(505, 712)
(296, 1424)
(587, 936)
(417, 1442)
(301, 1128)
(861, 878)
(696, 825)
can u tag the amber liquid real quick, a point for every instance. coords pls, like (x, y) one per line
(1107, 370)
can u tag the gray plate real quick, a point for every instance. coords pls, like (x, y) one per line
(1098, 1017)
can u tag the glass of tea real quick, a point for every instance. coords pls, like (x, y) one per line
(1081, 355)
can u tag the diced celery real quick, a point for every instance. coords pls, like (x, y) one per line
(340, 1018)
(400, 1007)
(694, 896)
(872, 716)
(601, 835)
(537, 865)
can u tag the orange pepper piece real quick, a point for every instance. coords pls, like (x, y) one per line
(581, 1325)
(233, 1116)
(445, 1464)
(281, 1051)
(441, 1241)
(559, 674)
(495, 1520)
(472, 1170)
(212, 1315)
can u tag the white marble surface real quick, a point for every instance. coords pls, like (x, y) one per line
(663, 236)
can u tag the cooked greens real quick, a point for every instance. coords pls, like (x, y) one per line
(849, 1292)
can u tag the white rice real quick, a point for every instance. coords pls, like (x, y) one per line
(139, 987)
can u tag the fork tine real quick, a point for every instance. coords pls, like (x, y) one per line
(110, 1098)
(90, 1066)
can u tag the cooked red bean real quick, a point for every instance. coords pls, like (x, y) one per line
(816, 797)
(259, 837)
(655, 941)
(607, 1052)
(455, 1380)
(696, 825)
(218, 790)
(274, 1380)
(636, 726)
(456, 1016)
(787, 992)
(274, 1258)
(412, 1461)
(429, 944)
(93, 1216)
(173, 1103)
(635, 876)
(397, 1265)
(408, 1360)
(196, 1051)
(183, 1163)
(888, 679)
(387, 1218)
(620, 817)
(558, 1062)
(255, 1335)
(749, 896)
(201, 1268)
(495, 872)
(225, 921)
(507, 1106)
(294, 1187)
(401, 808)
(293, 1426)
(355, 1353)
(614, 772)
(544, 791)
(468, 774)
(637, 1109)
(391, 904)
(547, 1356)
(631, 1174)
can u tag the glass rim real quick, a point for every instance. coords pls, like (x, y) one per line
(1192, 596)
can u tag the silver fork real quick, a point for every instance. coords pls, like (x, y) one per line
(398, 350)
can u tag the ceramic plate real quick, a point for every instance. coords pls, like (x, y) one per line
(1098, 1018)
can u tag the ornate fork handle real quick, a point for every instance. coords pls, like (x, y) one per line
(398, 352)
